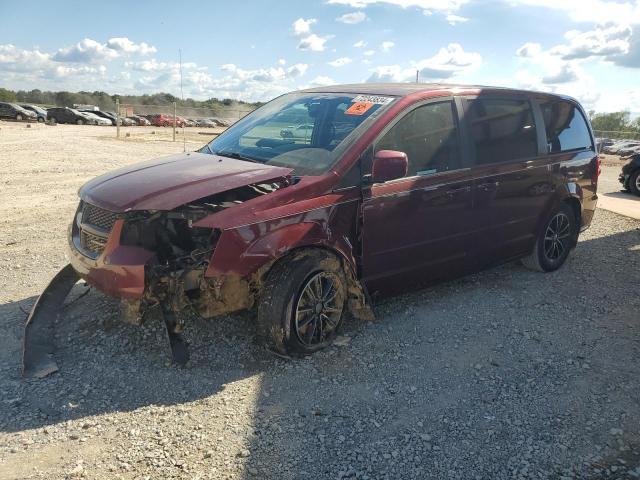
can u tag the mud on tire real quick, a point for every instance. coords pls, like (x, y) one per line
(302, 302)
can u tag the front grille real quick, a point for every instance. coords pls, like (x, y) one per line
(92, 243)
(98, 217)
(92, 228)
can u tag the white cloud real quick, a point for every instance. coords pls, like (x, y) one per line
(303, 27)
(426, 5)
(282, 61)
(601, 42)
(360, 44)
(447, 63)
(352, 18)
(85, 51)
(154, 66)
(566, 73)
(596, 11)
(91, 51)
(369, 53)
(455, 19)
(529, 50)
(313, 42)
(386, 46)
(340, 62)
(123, 44)
(309, 40)
(322, 81)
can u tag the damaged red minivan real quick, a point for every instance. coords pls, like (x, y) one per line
(392, 186)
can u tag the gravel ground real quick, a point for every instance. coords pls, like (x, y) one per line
(504, 374)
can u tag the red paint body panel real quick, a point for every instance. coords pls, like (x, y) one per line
(167, 183)
(119, 271)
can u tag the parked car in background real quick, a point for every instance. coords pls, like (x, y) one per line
(424, 183)
(188, 122)
(94, 119)
(106, 115)
(621, 145)
(127, 122)
(40, 112)
(205, 122)
(220, 122)
(630, 175)
(16, 112)
(627, 151)
(163, 120)
(140, 120)
(66, 115)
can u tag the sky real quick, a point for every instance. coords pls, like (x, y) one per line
(254, 50)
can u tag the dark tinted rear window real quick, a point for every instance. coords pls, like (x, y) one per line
(502, 130)
(565, 126)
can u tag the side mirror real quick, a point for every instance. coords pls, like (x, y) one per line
(389, 165)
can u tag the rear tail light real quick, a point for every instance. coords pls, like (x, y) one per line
(597, 170)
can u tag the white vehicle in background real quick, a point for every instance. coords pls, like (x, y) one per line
(94, 119)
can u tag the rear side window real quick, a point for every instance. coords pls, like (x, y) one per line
(565, 126)
(502, 130)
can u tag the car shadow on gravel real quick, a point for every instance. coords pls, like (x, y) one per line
(499, 374)
(108, 366)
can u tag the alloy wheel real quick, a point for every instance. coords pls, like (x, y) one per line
(557, 237)
(318, 309)
(637, 183)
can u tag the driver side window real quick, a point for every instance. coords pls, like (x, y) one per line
(429, 137)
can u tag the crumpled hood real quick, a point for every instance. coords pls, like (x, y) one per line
(167, 183)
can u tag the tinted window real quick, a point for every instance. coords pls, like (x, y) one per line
(565, 126)
(502, 130)
(429, 137)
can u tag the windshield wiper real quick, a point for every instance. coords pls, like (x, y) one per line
(237, 156)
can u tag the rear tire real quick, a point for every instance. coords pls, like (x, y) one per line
(80, 122)
(554, 241)
(634, 183)
(19, 117)
(53, 120)
(40, 120)
(302, 302)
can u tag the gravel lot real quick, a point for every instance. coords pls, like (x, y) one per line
(502, 375)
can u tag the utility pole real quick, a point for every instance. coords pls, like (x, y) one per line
(417, 76)
(117, 118)
(175, 121)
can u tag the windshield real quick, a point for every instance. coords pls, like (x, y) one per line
(303, 131)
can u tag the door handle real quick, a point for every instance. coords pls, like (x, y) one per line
(488, 187)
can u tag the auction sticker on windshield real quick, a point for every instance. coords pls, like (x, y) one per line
(359, 108)
(375, 99)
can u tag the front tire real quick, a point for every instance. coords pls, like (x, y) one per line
(302, 302)
(554, 242)
(80, 122)
(40, 120)
(634, 183)
(19, 117)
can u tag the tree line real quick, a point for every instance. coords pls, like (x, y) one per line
(615, 122)
(106, 101)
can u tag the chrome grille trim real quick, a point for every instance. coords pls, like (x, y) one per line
(92, 227)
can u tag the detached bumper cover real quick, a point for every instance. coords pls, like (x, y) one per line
(37, 355)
